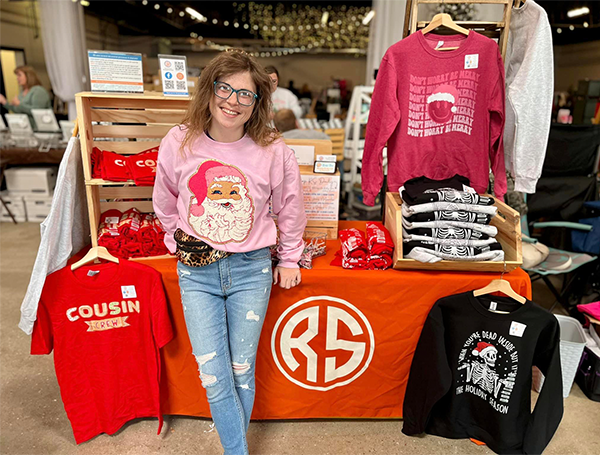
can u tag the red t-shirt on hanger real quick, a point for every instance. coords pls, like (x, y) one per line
(440, 113)
(106, 323)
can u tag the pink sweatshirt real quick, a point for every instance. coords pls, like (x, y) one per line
(220, 194)
(441, 113)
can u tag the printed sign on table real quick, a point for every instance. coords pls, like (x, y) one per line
(321, 196)
(173, 69)
(116, 72)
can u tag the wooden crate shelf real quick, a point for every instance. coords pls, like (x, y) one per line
(509, 235)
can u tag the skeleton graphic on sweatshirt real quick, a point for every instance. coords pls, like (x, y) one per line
(487, 368)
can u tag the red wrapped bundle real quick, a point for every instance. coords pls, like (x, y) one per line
(381, 246)
(354, 244)
(142, 167)
(114, 167)
(108, 232)
(354, 253)
(130, 224)
(96, 159)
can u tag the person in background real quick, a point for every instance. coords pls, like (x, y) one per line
(287, 124)
(217, 174)
(305, 92)
(293, 89)
(33, 95)
(282, 98)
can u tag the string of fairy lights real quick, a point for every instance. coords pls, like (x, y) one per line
(275, 29)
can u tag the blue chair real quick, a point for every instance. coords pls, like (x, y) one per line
(572, 266)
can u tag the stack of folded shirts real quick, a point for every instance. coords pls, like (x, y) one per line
(373, 251)
(447, 219)
(131, 234)
(381, 246)
(119, 168)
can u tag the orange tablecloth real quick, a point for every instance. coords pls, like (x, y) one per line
(338, 345)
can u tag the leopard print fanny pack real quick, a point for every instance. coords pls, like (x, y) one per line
(195, 253)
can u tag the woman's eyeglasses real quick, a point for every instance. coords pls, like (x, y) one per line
(244, 97)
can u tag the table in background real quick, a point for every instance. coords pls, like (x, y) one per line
(23, 156)
(373, 320)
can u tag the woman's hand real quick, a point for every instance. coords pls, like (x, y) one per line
(288, 278)
(3, 100)
(15, 101)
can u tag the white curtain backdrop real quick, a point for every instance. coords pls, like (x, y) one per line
(63, 35)
(386, 29)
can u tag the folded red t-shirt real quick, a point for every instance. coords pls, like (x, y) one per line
(379, 239)
(114, 167)
(382, 262)
(340, 260)
(96, 159)
(142, 167)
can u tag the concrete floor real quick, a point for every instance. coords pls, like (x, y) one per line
(33, 421)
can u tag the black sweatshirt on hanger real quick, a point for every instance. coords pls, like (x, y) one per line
(471, 374)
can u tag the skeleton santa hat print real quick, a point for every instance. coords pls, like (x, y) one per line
(221, 209)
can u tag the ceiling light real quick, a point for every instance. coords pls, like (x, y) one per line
(226, 23)
(368, 17)
(144, 2)
(84, 3)
(325, 17)
(559, 30)
(215, 21)
(578, 11)
(571, 27)
(169, 10)
(181, 14)
(586, 25)
(236, 25)
(157, 6)
(246, 26)
(195, 14)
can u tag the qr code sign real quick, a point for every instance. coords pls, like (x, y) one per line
(178, 66)
(180, 85)
(169, 85)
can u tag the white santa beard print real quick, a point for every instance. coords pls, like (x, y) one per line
(220, 224)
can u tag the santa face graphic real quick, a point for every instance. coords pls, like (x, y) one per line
(221, 209)
(441, 103)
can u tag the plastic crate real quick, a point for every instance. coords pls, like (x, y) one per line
(16, 205)
(572, 342)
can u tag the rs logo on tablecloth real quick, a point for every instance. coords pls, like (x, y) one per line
(322, 342)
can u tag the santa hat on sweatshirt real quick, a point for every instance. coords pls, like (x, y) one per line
(442, 103)
(483, 348)
(207, 173)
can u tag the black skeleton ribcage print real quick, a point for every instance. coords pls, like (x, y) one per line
(454, 233)
(460, 251)
(459, 215)
(451, 195)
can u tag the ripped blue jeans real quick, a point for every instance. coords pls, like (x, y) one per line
(224, 306)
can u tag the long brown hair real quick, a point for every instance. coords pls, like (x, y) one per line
(31, 78)
(233, 61)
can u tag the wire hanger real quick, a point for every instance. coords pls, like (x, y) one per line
(95, 254)
(502, 286)
(444, 20)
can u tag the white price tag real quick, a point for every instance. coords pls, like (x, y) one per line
(93, 272)
(128, 292)
(493, 306)
(471, 61)
(173, 70)
(517, 329)
(112, 220)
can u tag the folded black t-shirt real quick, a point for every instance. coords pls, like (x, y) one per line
(452, 233)
(448, 215)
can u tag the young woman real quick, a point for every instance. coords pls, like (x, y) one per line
(33, 95)
(215, 177)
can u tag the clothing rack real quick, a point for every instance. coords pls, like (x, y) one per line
(491, 29)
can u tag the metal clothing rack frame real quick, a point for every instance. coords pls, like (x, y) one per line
(491, 29)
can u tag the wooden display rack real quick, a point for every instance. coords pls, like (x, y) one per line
(507, 220)
(491, 29)
(139, 122)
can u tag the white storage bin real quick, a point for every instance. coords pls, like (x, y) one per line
(16, 205)
(31, 180)
(572, 342)
(38, 207)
